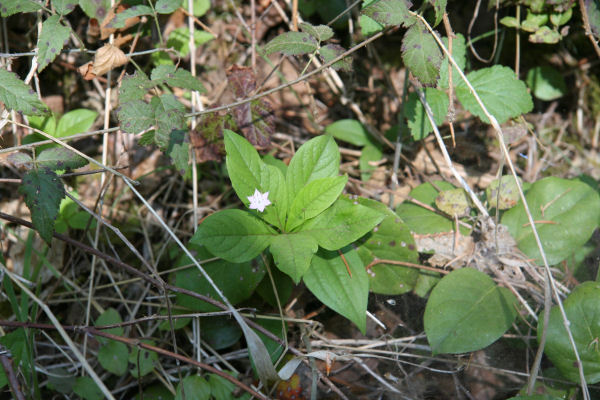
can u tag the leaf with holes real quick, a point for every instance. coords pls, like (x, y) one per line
(501, 92)
(135, 116)
(16, 95)
(167, 6)
(330, 52)
(319, 32)
(418, 122)
(168, 116)
(120, 19)
(421, 54)
(43, 193)
(390, 12)
(134, 87)
(292, 43)
(176, 77)
(53, 38)
(328, 279)
(292, 253)
(10, 7)
(467, 311)
(60, 158)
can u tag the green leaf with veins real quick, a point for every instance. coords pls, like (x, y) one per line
(135, 116)
(16, 95)
(132, 12)
(292, 43)
(421, 54)
(134, 87)
(293, 252)
(64, 7)
(168, 116)
(10, 7)
(52, 39)
(319, 32)
(330, 52)
(176, 77)
(60, 158)
(390, 12)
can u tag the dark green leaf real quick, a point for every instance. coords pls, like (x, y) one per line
(546, 83)
(43, 192)
(293, 252)
(135, 116)
(134, 87)
(421, 54)
(500, 91)
(178, 150)
(110, 317)
(390, 12)
(113, 357)
(282, 284)
(168, 116)
(292, 43)
(143, 360)
(60, 158)
(568, 211)
(167, 6)
(16, 95)
(418, 122)
(221, 388)
(64, 7)
(467, 311)
(582, 308)
(234, 235)
(87, 388)
(193, 387)
(10, 7)
(331, 51)
(328, 279)
(440, 8)
(319, 32)
(52, 39)
(135, 11)
(176, 77)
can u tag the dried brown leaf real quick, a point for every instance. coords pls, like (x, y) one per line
(108, 57)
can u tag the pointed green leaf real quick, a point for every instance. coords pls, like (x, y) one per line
(75, 121)
(10, 7)
(368, 154)
(293, 252)
(314, 198)
(292, 43)
(501, 92)
(421, 54)
(317, 158)
(113, 357)
(60, 158)
(167, 6)
(43, 192)
(234, 235)
(176, 77)
(467, 311)
(349, 130)
(331, 51)
(16, 95)
(328, 279)
(390, 12)
(135, 11)
(64, 7)
(582, 308)
(440, 8)
(569, 211)
(135, 116)
(342, 223)
(51, 41)
(95, 8)
(418, 122)
(273, 181)
(134, 87)
(319, 32)
(390, 240)
(168, 116)
(193, 387)
(459, 54)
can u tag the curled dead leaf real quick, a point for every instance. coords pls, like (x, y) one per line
(108, 57)
(86, 71)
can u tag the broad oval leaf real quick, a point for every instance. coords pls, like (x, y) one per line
(349, 130)
(421, 54)
(546, 83)
(10, 7)
(243, 165)
(467, 311)
(233, 235)
(501, 92)
(110, 317)
(75, 121)
(143, 360)
(317, 158)
(292, 43)
(368, 154)
(583, 312)
(566, 212)
(52, 39)
(193, 387)
(60, 158)
(293, 252)
(43, 192)
(16, 95)
(328, 279)
(113, 357)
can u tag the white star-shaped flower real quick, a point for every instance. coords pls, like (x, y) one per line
(259, 201)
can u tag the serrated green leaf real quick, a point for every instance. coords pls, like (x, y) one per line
(317, 158)
(328, 279)
(421, 54)
(500, 91)
(319, 32)
(10, 7)
(582, 307)
(390, 240)
(546, 83)
(342, 223)
(440, 8)
(86, 388)
(95, 8)
(368, 154)
(193, 387)
(113, 357)
(168, 117)
(135, 11)
(418, 122)
(390, 12)
(292, 253)
(134, 87)
(52, 39)
(234, 235)
(467, 311)
(146, 139)
(459, 53)
(75, 121)
(349, 130)
(43, 192)
(292, 43)
(167, 6)
(314, 198)
(570, 211)
(331, 51)
(237, 281)
(176, 77)
(16, 95)
(135, 116)
(64, 7)
(20, 160)
(178, 150)
(60, 158)
(143, 360)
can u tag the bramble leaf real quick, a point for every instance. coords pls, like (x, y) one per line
(16, 95)
(64, 7)
(421, 54)
(10, 7)
(19, 159)
(60, 158)
(134, 87)
(52, 39)
(95, 8)
(440, 8)
(292, 43)
(176, 77)
(319, 32)
(132, 12)
(135, 116)
(501, 92)
(459, 53)
(168, 116)
(331, 51)
(178, 150)
(390, 12)
(167, 6)
(43, 193)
